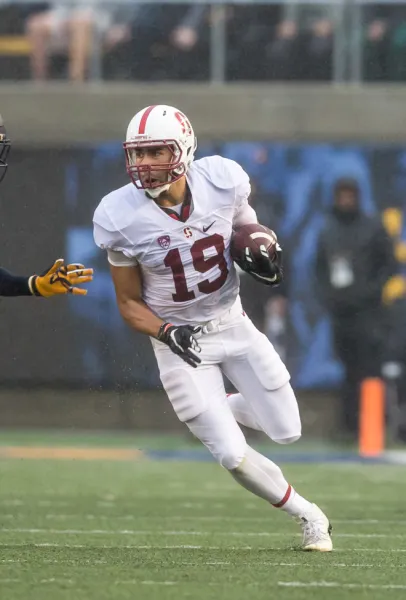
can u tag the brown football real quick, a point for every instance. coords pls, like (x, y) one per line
(253, 236)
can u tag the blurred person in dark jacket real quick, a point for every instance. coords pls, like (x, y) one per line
(169, 44)
(394, 367)
(354, 261)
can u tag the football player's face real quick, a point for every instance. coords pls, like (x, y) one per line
(153, 156)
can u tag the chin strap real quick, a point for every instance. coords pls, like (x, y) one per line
(154, 193)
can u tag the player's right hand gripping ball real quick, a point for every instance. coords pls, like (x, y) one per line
(256, 250)
(61, 279)
(181, 340)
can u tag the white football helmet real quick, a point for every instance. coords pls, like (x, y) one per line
(159, 126)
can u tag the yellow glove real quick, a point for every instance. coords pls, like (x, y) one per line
(394, 289)
(60, 279)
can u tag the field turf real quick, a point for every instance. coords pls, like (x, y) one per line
(149, 530)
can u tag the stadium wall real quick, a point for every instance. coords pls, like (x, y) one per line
(70, 114)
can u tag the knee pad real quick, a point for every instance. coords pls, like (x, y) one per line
(289, 440)
(230, 459)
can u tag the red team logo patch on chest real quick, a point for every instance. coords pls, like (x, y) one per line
(164, 241)
(188, 232)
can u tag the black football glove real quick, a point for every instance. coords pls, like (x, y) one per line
(263, 268)
(181, 340)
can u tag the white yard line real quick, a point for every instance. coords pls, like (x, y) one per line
(149, 582)
(213, 518)
(51, 580)
(213, 563)
(285, 564)
(337, 584)
(186, 547)
(42, 503)
(12, 560)
(191, 533)
(55, 580)
(214, 499)
(205, 499)
(208, 518)
(292, 584)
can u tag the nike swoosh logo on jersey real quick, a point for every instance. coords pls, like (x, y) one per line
(208, 227)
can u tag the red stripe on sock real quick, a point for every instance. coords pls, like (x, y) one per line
(284, 499)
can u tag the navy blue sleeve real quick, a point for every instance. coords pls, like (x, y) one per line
(13, 285)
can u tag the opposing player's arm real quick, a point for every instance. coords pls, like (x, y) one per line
(57, 280)
(128, 285)
(13, 285)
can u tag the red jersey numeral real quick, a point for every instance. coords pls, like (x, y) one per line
(202, 264)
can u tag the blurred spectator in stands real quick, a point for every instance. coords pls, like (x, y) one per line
(162, 43)
(319, 50)
(354, 261)
(190, 44)
(284, 53)
(249, 30)
(394, 367)
(376, 48)
(385, 43)
(302, 45)
(73, 30)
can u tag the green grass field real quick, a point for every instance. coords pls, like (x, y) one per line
(96, 530)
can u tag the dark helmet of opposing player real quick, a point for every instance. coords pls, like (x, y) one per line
(4, 149)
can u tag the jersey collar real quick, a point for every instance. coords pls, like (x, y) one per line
(185, 210)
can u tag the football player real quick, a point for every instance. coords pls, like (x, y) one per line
(167, 236)
(58, 279)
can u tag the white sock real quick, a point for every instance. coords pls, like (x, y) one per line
(242, 411)
(262, 477)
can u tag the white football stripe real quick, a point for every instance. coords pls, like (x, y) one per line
(262, 234)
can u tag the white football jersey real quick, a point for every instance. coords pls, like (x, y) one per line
(188, 274)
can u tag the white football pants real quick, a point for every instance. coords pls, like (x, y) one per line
(231, 345)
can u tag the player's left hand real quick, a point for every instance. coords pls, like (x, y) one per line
(262, 267)
(61, 279)
(182, 341)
